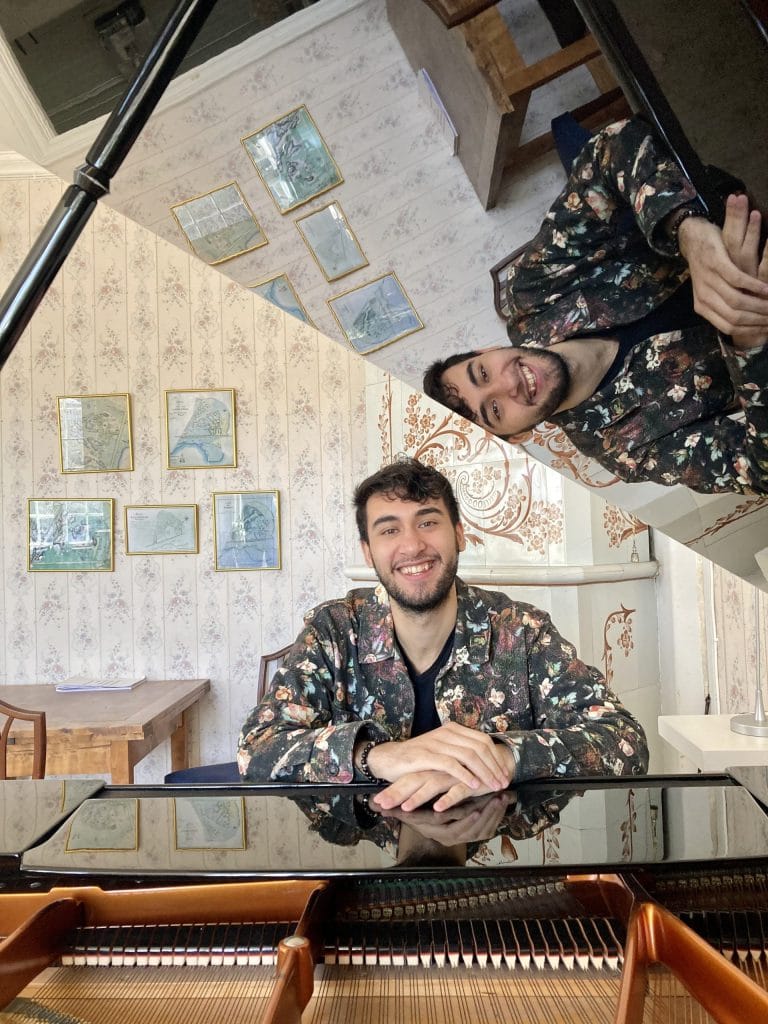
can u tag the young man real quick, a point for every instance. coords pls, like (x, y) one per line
(615, 309)
(439, 689)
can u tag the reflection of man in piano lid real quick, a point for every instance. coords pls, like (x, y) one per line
(442, 690)
(606, 343)
(467, 830)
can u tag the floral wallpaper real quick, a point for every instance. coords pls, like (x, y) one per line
(132, 313)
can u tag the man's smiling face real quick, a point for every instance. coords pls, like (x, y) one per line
(414, 548)
(510, 390)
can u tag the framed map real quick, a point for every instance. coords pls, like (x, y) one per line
(209, 822)
(161, 529)
(219, 225)
(105, 825)
(375, 314)
(331, 241)
(292, 160)
(70, 535)
(200, 429)
(280, 292)
(95, 433)
(246, 530)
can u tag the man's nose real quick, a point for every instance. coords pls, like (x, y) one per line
(412, 540)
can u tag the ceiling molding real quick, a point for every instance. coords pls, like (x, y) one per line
(36, 136)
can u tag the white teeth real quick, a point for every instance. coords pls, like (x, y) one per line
(530, 381)
(412, 570)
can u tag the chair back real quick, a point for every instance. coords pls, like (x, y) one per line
(270, 663)
(10, 714)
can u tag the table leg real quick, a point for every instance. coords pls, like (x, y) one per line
(120, 763)
(179, 744)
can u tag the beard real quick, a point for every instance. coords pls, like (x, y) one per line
(558, 378)
(426, 598)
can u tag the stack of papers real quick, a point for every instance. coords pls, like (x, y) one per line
(79, 683)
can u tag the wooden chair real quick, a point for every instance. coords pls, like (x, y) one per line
(227, 771)
(12, 714)
(270, 663)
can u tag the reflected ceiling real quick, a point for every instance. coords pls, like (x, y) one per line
(79, 56)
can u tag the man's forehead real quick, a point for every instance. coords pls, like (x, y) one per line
(390, 503)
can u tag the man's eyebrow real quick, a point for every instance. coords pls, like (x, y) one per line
(430, 510)
(473, 381)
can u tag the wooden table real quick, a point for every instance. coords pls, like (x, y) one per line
(98, 732)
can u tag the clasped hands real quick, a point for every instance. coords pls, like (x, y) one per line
(452, 763)
(729, 274)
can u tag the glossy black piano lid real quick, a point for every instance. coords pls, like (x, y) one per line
(322, 831)
(698, 69)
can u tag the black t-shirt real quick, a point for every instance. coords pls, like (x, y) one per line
(425, 717)
(674, 314)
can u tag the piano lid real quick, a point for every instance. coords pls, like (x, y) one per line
(29, 809)
(322, 831)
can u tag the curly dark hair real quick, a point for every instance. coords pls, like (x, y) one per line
(409, 480)
(443, 393)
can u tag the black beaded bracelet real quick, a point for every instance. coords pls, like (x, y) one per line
(674, 228)
(364, 754)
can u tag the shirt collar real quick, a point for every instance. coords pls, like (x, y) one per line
(376, 633)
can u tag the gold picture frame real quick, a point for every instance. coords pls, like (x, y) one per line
(70, 535)
(95, 433)
(292, 159)
(375, 314)
(219, 225)
(279, 290)
(202, 420)
(331, 241)
(246, 531)
(161, 530)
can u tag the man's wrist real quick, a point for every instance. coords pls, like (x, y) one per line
(682, 225)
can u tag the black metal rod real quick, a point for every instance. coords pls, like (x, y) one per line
(92, 180)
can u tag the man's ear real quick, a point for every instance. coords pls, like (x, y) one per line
(366, 554)
(461, 540)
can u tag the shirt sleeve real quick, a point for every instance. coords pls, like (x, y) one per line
(579, 726)
(602, 244)
(715, 453)
(298, 733)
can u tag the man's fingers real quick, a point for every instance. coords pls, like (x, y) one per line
(735, 225)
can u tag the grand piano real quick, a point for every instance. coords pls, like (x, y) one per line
(624, 900)
(611, 900)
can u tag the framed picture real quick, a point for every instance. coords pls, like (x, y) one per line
(161, 529)
(219, 225)
(292, 160)
(70, 535)
(104, 825)
(95, 433)
(331, 241)
(209, 822)
(280, 292)
(375, 314)
(200, 429)
(246, 530)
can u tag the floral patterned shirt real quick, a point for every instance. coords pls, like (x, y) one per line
(601, 260)
(510, 674)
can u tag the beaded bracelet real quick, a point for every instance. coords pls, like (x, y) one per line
(364, 754)
(674, 228)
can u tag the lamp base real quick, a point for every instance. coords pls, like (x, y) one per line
(749, 725)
